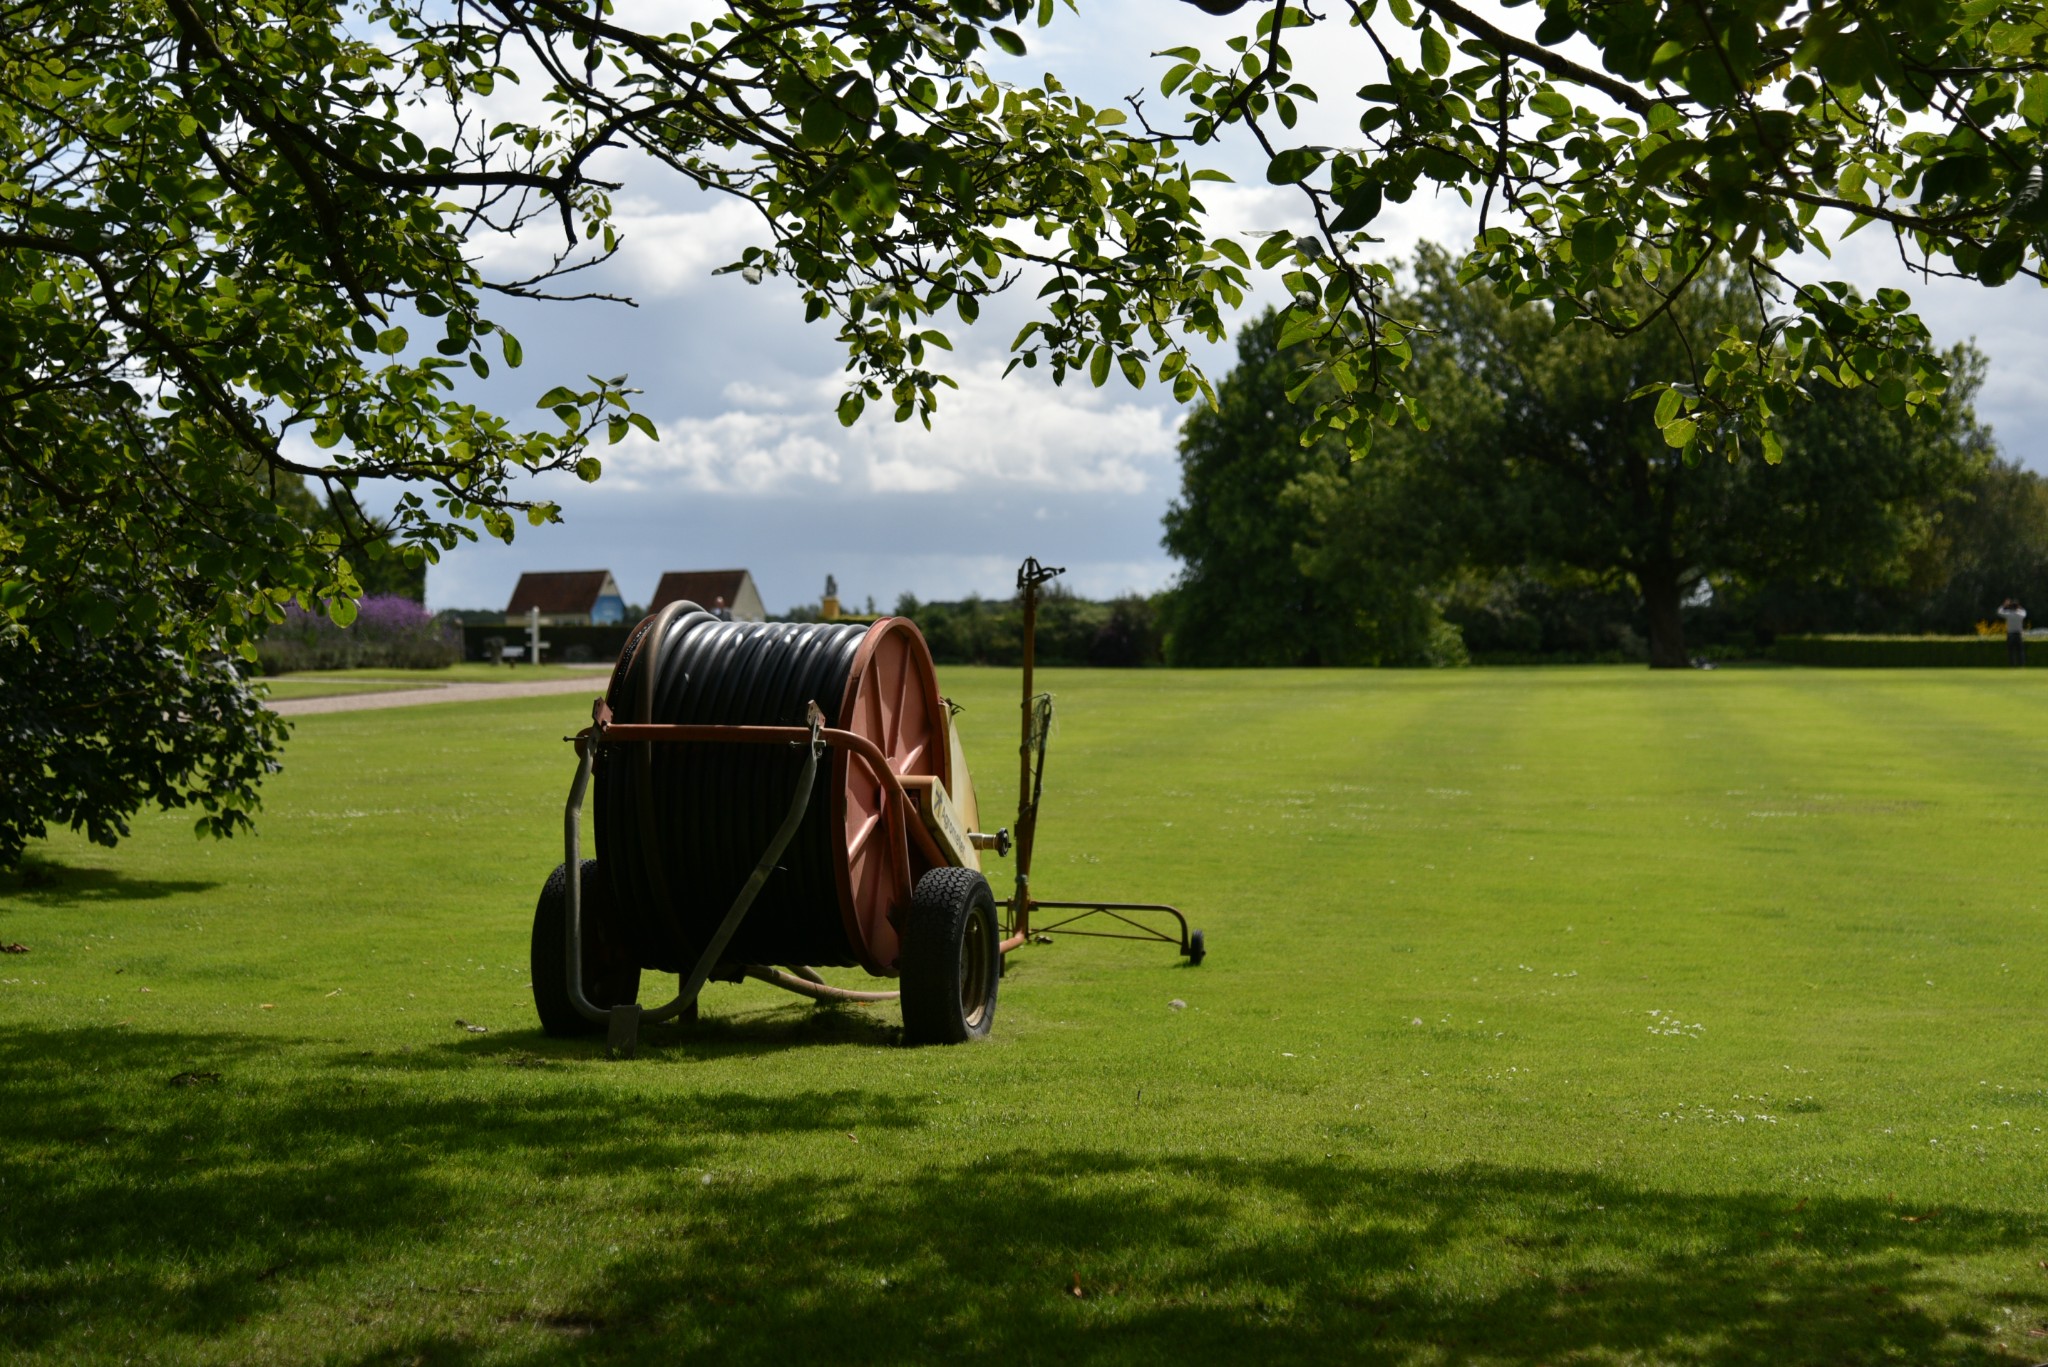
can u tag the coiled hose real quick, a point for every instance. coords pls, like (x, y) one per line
(679, 827)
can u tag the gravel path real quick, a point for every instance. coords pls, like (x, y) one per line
(413, 697)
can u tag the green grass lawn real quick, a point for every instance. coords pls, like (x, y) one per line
(321, 683)
(289, 686)
(327, 683)
(1560, 1016)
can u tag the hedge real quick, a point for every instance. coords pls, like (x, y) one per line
(389, 632)
(1893, 652)
(559, 645)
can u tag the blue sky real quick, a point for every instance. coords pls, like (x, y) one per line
(754, 470)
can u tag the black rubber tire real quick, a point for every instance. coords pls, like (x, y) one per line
(951, 965)
(609, 977)
(1198, 950)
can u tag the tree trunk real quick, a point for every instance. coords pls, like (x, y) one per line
(1661, 602)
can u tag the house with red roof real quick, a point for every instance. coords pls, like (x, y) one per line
(567, 598)
(734, 589)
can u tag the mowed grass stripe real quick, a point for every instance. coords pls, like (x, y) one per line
(1286, 1164)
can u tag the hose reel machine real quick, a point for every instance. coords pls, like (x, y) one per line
(774, 798)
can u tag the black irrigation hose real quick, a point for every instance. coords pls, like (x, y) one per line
(679, 827)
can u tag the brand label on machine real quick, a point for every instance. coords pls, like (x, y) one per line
(942, 819)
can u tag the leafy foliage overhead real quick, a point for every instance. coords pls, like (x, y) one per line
(269, 221)
(244, 247)
(1705, 133)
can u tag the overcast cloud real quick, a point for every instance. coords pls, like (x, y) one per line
(753, 469)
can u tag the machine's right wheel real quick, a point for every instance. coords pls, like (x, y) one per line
(1198, 949)
(609, 977)
(951, 964)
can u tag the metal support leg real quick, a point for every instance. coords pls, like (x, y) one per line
(622, 1031)
(623, 1022)
(801, 799)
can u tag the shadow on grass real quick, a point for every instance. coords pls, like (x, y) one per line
(46, 883)
(188, 1209)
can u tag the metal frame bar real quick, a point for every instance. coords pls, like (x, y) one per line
(1115, 911)
(818, 738)
(624, 1021)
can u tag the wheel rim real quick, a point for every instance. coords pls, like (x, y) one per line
(892, 698)
(976, 949)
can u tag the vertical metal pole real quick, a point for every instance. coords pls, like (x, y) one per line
(1027, 817)
(572, 863)
(533, 634)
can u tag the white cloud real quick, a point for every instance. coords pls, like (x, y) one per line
(747, 394)
(668, 252)
(991, 433)
(734, 453)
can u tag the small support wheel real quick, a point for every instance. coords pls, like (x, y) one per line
(610, 978)
(951, 964)
(1198, 950)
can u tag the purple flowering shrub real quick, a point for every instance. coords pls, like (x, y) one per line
(390, 632)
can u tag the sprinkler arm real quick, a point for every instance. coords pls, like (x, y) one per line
(1030, 757)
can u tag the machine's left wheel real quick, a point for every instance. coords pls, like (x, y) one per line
(951, 961)
(609, 977)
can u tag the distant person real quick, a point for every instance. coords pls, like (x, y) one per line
(720, 610)
(2015, 622)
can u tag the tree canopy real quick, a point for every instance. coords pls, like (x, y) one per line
(244, 244)
(241, 251)
(1544, 460)
(1708, 136)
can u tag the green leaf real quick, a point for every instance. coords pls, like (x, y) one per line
(1098, 365)
(1360, 206)
(850, 406)
(588, 469)
(42, 292)
(1595, 241)
(1293, 166)
(1677, 434)
(1436, 53)
(1557, 25)
(510, 345)
(2000, 262)
(1663, 116)
(1663, 161)
(391, 341)
(341, 611)
(1007, 41)
(1774, 450)
(1667, 407)
(2034, 101)
(822, 122)
(1134, 370)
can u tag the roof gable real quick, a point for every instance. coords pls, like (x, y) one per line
(558, 591)
(702, 587)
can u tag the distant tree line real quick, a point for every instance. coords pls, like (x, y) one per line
(1119, 633)
(1541, 514)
